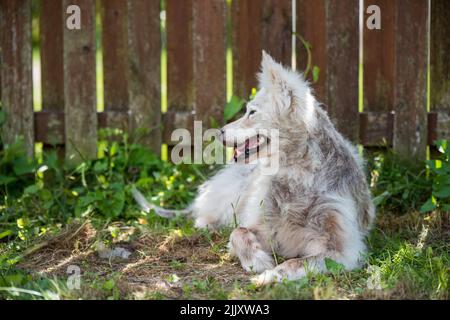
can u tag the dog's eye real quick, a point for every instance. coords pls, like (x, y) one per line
(251, 112)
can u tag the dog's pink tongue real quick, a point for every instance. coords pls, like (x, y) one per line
(239, 150)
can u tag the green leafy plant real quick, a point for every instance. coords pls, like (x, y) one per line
(36, 194)
(440, 175)
(16, 169)
(233, 107)
(2, 117)
(398, 185)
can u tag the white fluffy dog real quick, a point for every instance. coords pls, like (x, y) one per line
(316, 205)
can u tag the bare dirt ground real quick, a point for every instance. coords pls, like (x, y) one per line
(159, 262)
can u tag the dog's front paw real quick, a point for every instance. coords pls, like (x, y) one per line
(267, 277)
(261, 261)
(202, 223)
(244, 244)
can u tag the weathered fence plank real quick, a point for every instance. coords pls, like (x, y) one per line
(0, 82)
(254, 25)
(411, 38)
(440, 69)
(180, 88)
(246, 23)
(144, 45)
(312, 32)
(180, 71)
(80, 85)
(342, 70)
(15, 69)
(333, 35)
(115, 59)
(52, 68)
(379, 76)
(51, 48)
(49, 127)
(277, 20)
(209, 43)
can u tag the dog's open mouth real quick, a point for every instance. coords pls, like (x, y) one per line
(252, 146)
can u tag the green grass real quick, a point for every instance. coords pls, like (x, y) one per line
(42, 205)
(410, 262)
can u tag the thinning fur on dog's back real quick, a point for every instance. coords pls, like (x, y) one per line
(319, 191)
(345, 168)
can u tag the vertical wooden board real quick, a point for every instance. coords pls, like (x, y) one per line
(16, 71)
(341, 81)
(79, 84)
(411, 38)
(332, 29)
(1, 110)
(144, 78)
(115, 56)
(180, 86)
(440, 67)
(254, 25)
(51, 45)
(247, 46)
(209, 32)
(180, 67)
(276, 29)
(311, 28)
(379, 44)
(52, 68)
(379, 73)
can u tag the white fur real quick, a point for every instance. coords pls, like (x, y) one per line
(222, 196)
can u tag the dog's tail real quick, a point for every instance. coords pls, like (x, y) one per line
(147, 206)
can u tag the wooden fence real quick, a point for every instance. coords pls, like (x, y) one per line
(395, 63)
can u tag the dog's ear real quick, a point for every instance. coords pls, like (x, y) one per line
(271, 75)
(274, 78)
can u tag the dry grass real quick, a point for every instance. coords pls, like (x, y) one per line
(160, 262)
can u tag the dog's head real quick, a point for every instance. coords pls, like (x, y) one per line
(284, 100)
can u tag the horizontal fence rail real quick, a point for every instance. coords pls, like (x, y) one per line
(373, 82)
